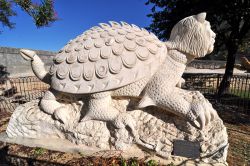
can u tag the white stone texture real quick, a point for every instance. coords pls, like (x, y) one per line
(155, 130)
(107, 63)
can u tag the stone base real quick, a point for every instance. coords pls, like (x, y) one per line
(66, 146)
(156, 134)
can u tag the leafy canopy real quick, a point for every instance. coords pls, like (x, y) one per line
(43, 14)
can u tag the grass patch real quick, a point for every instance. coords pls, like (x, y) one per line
(39, 151)
(242, 94)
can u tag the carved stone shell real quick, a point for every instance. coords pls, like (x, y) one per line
(106, 57)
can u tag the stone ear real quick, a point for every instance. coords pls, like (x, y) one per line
(201, 17)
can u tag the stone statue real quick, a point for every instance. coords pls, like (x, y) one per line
(245, 63)
(118, 74)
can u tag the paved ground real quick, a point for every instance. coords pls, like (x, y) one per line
(220, 71)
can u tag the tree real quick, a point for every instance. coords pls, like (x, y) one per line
(43, 13)
(229, 20)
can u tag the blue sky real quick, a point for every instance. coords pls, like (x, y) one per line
(75, 16)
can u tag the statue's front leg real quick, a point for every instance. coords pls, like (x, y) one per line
(199, 110)
(50, 105)
(190, 105)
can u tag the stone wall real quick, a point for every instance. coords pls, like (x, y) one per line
(16, 65)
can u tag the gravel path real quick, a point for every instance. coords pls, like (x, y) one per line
(220, 71)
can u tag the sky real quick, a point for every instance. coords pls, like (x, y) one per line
(75, 17)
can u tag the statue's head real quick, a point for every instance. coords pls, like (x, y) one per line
(192, 35)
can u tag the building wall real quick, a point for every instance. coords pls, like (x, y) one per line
(17, 66)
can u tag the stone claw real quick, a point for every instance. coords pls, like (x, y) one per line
(199, 123)
(202, 113)
(28, 55)
(207, 117)
(202, 121)
(61, 114)
(180, 83)
(124, 120)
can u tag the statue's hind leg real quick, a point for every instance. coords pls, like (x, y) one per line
(50, 105)
(100, 108)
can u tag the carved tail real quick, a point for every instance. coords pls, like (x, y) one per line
(36, 64)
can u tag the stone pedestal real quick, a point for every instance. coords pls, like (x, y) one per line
(158, 134)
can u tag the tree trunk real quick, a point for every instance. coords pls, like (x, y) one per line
(225, 83)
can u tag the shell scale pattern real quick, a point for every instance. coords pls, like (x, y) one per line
(106, 57)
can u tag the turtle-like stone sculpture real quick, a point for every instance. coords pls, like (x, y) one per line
(101, 85)
(125, 60)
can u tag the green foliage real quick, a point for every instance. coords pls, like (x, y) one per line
(123, 162)
(240, 93)
(82, 154)
(39, 151)
(6, 12)
(43, 14)
(151, 163)
(134, 162)
(130, 162)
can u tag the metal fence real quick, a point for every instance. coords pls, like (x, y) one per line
(238, 94)
(16, 91)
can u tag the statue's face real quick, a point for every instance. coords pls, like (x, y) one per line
(210, 36)
(193, 35)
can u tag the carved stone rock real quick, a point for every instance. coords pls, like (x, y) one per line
(156, 130)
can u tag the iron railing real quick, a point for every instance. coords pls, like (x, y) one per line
(16, 91)
(238, 94)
